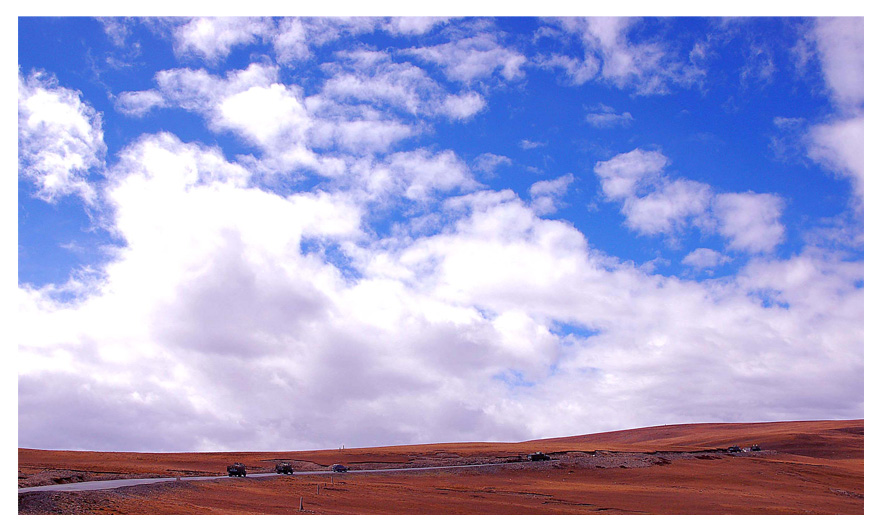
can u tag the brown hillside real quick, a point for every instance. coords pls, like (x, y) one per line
(804, 467)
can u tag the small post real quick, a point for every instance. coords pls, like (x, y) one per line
(300, 504)
(319, 489)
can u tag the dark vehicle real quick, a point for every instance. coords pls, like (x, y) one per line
(236, 470)
(284, 467)
(539, 456)
(338, 468)
(755, 447)
(734, 449)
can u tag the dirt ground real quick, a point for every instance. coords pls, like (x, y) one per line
(803, 468)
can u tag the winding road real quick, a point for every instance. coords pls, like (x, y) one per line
(94, 485)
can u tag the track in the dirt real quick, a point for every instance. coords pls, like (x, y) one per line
(95, 485)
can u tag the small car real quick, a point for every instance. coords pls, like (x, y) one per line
(734, 449)
(537, 457)
(338, 468)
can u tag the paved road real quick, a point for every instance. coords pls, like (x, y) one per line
(122, 483)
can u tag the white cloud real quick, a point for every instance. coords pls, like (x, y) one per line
(839, 142)
(373, 78)
(463, 106)
(669, 208)
(749, 220)
(647, 67)
(840, 146)
(474, 58)
(269, 116)
(841, 46)
(367, 105)
(212, 38)
(139, 103)
(291, 42)
(759, 66)
(413, 25)
(653, 203)
(417, 175)
(275, 117)
(621, 176)
(530, 144)
(705, 258)
(603, 116)
(547, 194)
(579, 71)
(116, 29)
(836, 141)
(487, 163)
(296, 37)
(60, 138)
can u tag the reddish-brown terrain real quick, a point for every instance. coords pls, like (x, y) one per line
(803, 468)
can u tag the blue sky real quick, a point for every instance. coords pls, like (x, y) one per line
(432, 227)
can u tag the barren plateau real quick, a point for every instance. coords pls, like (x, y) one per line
(812, 467)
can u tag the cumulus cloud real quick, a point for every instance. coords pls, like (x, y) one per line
(609, 54)
(417, 175)
(653, 203)
(474, 58)
(760, 66)
(841, 46)
(622, 175)
(705, 258)
(839, 143)
(603, 116)
(270, 115)
(462, 106)
(373, 77)
(117, 30)
(296, 37)
(750, 221)
(139, 104)
(60, 138)
(413, 25)
(367, 104)
(578, 71)
(667, 209)
(212, 38)
(547, 194)
(527, 144)
(291, 42)
(488, 163)
(840, 146)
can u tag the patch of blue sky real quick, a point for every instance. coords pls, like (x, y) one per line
(770, 298)
(57, 239)
(330, 252)
(570, 330)
(513, 379)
